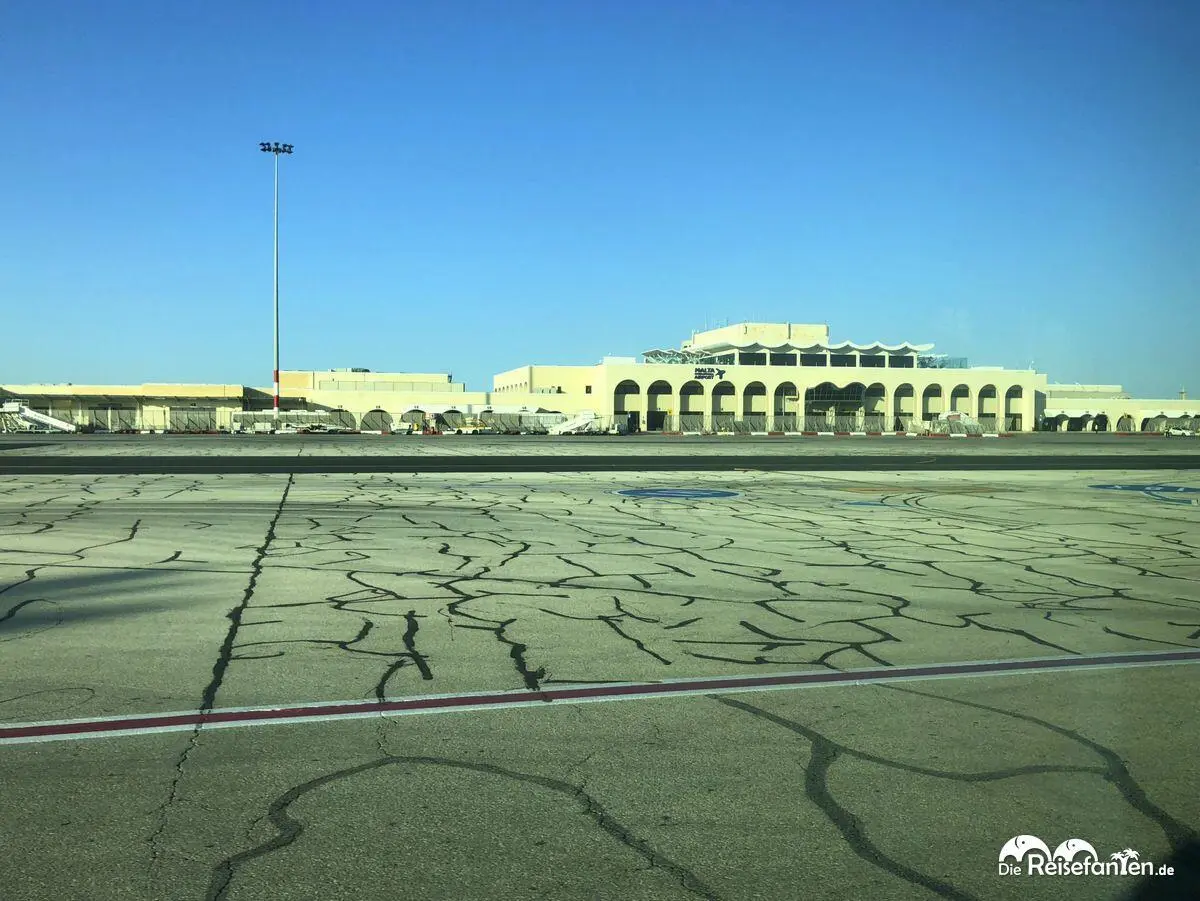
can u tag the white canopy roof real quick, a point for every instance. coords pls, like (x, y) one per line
(756, 347)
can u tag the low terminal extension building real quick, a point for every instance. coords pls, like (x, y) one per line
(749, 377)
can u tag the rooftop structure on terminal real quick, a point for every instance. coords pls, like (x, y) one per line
(782, 344)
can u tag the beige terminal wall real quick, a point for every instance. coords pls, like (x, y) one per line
(380, 399)
(304, 382)
(551, 386)
(146, 406)
(149, 389)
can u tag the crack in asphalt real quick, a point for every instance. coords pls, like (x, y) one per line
(1115, 771)
(411, 656)
(825, 752)
(531, 679)
(614, 623)
(31, 573)
(823, 755)
(208, 698)
(975, 539)
(288, 829)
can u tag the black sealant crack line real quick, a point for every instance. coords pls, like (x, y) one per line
(1116, 770)
(288, 829)
(530, 678)
(613, 622)
(411, 656)
(824, 754)
(1195, 635)
(1111, 631)
(88, 693)
(224, 656)
(31, 575)
(974, 586)
(13, 610)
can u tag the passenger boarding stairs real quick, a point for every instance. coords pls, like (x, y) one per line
(954, 423)
(34, 418)
(584, 422)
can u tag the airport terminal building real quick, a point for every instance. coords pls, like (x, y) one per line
(784, 377)
(755, 378)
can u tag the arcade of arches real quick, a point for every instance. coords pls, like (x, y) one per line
(720, 406)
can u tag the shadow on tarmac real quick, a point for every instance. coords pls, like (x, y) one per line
(1184, 885)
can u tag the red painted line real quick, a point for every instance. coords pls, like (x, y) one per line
(153, 722)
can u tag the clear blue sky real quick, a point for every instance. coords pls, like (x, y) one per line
(481, 185)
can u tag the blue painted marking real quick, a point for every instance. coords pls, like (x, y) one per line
(1157, 491)
(677, 493)
(866, 504)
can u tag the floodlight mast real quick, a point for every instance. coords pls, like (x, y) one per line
(276, 149)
